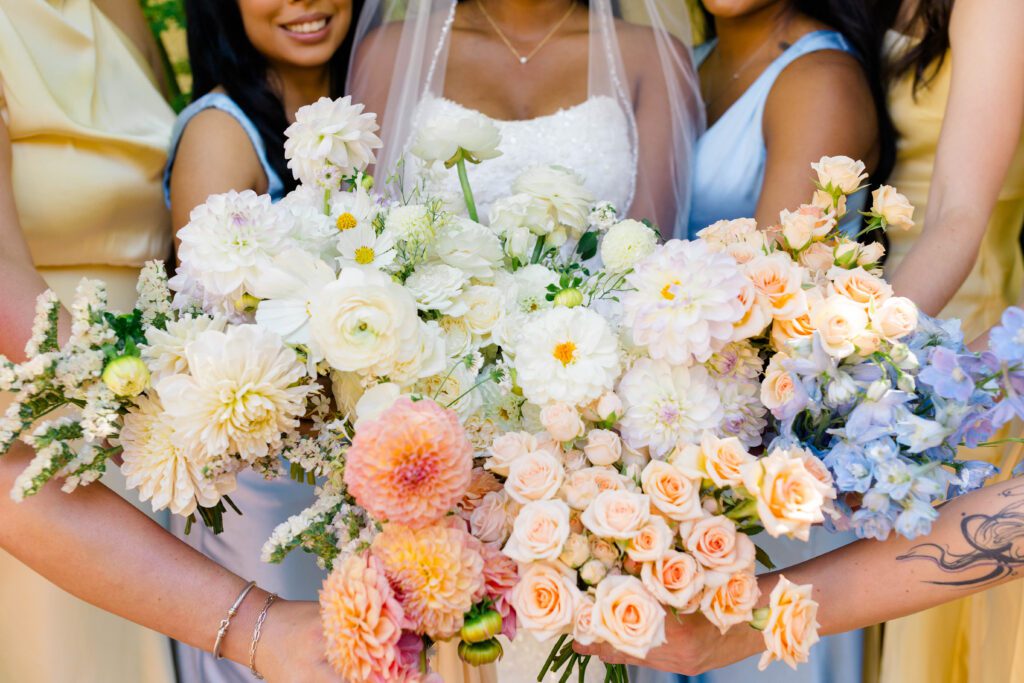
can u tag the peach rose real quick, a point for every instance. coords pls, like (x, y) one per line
(561, 421)
(824, 201)
(609, 406)
(675, 580)
(576, 551)
(779, 386)
(860, 286)
(839, 321)
(545, 600)
(609, 479)
(723, 459)
(720, 548)
(491, 520)
(481, 483)
(789, 497)
(583, 622)
(725, 232)
(846, 253)
(617, 514)
(651, 542)
(792, 626)
(896, 318)
(817, 257)
(539, 532)
(673, 493)
(580, 488)
(534, 476)
(593, 571)
(604, 551)
(732, 602)
(507, 448)
(840, 173)
(757, 315)
(779, 284)
(870, 254)
(893, 207)
(627, 616)
(797, 228)
(603, 447)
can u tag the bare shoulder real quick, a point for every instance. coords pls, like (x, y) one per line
(215, 141)
(641, 50)
(824, 76)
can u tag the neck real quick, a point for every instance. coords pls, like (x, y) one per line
(526, 15)
(300, 86)
(739, 36)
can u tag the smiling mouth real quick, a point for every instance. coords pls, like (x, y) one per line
(307, 27)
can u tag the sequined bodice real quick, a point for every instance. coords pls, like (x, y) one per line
(592, 138)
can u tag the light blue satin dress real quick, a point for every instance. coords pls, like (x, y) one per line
(264, 504)
(729, 172)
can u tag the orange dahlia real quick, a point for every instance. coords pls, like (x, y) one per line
(411, 465)
(436, 571)
(362, 620)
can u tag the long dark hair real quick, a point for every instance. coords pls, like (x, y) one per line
(221, 54)
(924, 58)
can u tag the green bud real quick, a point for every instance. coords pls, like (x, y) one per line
(569, 298)
(481, 627)
(478, 654)
(366, 181)
(246, 303)
(126, 376)
(760, 619)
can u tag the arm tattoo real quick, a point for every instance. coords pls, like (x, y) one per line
(996, 544)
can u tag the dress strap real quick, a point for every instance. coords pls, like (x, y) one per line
(216, 100)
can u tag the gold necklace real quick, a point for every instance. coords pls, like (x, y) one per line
(523, 59)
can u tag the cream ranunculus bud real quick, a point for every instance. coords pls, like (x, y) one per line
(561, 421)
(840, 173)
(471, 136)
(593, 571)
(569, 298)
(892, 207)
(576, 551)
(126, 376)
(625, 244)
(603, 447)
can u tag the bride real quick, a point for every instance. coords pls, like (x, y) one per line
(605, 88)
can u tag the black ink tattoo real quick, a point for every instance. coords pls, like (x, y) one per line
(996, 541)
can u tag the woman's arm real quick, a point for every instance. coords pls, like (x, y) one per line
(128, 16)
(819, 106)
(980, 133)
(976, 543)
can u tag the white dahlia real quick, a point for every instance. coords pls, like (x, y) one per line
(562, 190)
(330, 133)
(664, 405)
(165, 472)
(164, 351)
(230, 241)
(241, 393)
(566, 355)
(685, 302)
(743, 414)
(436, 287)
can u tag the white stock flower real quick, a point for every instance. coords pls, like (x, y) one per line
(561, 189)
(330, 132)
(440, 138)
(436, 287)
(566, 355)
(159, 465)
(686, 301)
(664, 405)
(626, 243)
(240, 395)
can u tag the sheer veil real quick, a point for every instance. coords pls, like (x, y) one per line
(639, 55)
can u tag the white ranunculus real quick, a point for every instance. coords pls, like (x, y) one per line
(436, 287)
(470, 247)
(429, 358)
(241, 393)
(566, 355)
(441, 138)
(288, 288)
(522, 211)
(365, 322)
(562, 190)
(484, 308)
(531, 287)
(330, 133)
(626, 243)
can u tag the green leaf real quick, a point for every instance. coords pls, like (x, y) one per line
(763, 557)
(587, 247)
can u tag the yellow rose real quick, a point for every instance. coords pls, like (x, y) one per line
(627, 616)
(893, 207)
(790, 499)
(792, 626)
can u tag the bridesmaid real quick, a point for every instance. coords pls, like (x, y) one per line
(956, 93)
(254, 63)
(785, 82)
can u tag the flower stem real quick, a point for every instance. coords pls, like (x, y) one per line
(467, 192)
(538, 249)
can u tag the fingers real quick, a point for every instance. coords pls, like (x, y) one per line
(606, 653)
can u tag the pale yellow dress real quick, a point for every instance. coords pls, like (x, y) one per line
(89, 131)
(979, 639)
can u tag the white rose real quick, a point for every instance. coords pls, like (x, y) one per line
(841, 173)
(470, 247)
(893, 207)
(617, 514)
(441, 138)
(627, 616)
(436, 287)
(522, 211)
(539, 531)
(561, 421)
(626, 243)
(603, 447)
(534, 476)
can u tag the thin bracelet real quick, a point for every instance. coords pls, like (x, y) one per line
(226, 621)
(256, 632)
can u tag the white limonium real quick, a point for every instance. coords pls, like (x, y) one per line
(446, 137)
(165, 472)
(330, 133)
(666, 405)
(566, 355)
(288, 290)
(436, 287)
(685, 302)
(365, 322)
(240, 396)
(626, 243)
(562, 190)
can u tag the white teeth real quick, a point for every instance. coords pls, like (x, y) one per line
(307, 27)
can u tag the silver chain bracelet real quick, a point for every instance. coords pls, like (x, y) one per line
(256, 635)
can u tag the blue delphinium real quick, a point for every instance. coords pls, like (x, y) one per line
(1007, 340)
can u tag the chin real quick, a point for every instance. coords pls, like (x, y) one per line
(729, 9)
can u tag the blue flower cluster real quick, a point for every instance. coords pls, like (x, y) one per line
(888, 425)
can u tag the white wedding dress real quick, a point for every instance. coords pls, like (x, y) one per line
(591, 138)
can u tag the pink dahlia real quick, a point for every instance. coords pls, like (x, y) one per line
(436, 571)
(411, 465)
(362, 620)
(501, 573)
